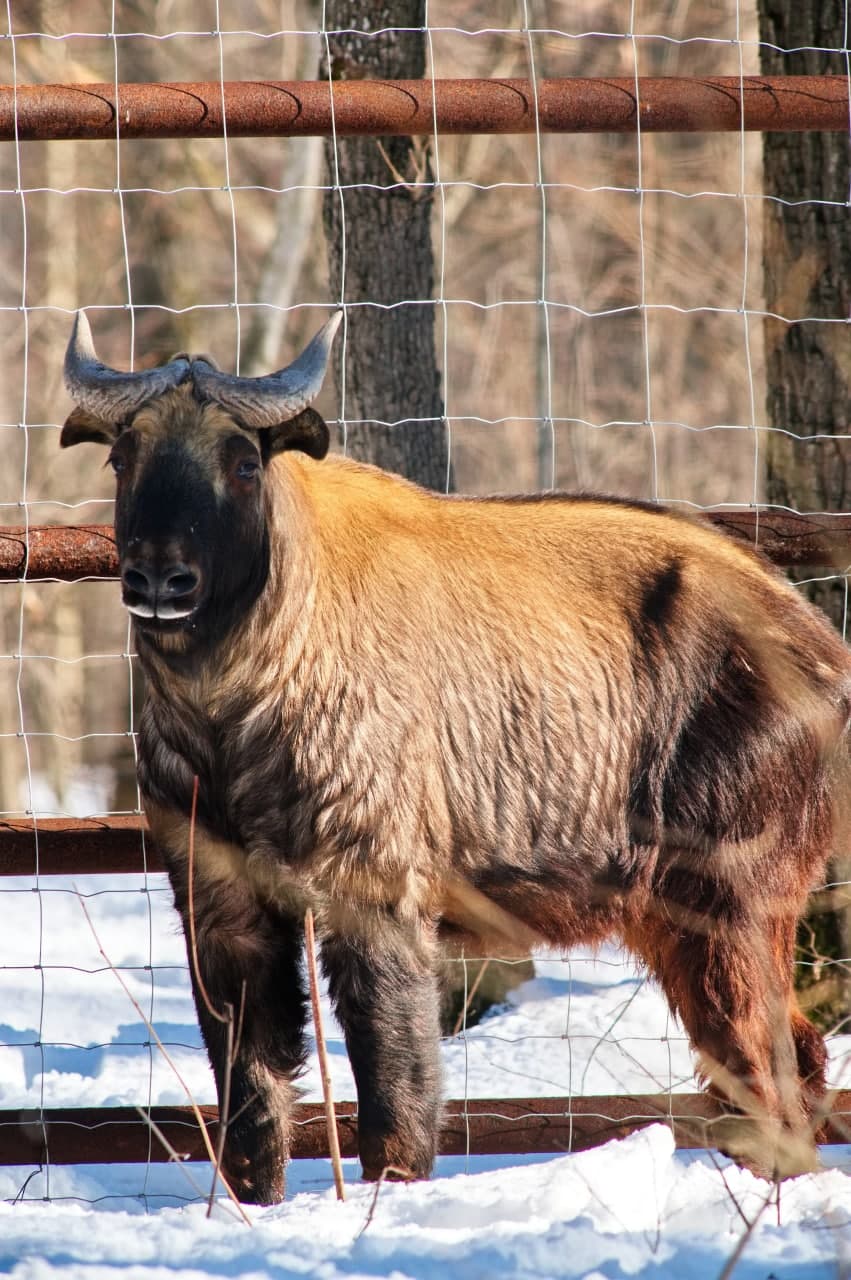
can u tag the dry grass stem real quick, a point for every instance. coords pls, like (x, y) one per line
(722, 1172)
(385, 1173)
(193, 941)
(462, 1016)
(733, 1260)
(327, 1092)
(173, 1154)
(153, 1033)
(226, 1018)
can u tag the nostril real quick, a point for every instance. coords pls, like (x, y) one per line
(137, 580)
(179, 582)
(145, 584)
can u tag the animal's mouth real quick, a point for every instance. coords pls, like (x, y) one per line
(160, 597)
(162, 615)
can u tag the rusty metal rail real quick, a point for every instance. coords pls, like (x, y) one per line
(48, 552)
(482, 1126)
(77, 846)
(269, 108)
(790, 540)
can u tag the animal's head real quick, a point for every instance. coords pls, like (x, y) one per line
(189, 446)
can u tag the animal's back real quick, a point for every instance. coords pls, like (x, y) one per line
(587, 560)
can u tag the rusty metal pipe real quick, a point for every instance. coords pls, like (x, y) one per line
(663, 104)
(790, 540)
(480, 1126)
(57, 552)
(67, 554)
(77, 846)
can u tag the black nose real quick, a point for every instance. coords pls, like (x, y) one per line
(148, 584)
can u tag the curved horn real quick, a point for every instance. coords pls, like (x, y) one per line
(106, 392)
(276, 397)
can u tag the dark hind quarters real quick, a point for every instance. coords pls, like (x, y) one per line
(718, 783)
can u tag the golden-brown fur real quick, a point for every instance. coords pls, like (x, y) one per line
(561, 719)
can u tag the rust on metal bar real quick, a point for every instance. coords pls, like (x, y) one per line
(76, 846)
(66, 553)
(791, 540)
(44, 553)
(270, 108)
(482, 1126)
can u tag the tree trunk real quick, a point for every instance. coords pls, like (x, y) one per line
(807, 268)
(378, 227)
(807, 264)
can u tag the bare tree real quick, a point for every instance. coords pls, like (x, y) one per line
(807, 265)
(377, 214)
(807, 260)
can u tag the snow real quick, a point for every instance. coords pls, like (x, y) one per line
(69, 1035)
(630, 1208)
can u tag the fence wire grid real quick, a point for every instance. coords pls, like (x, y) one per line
(600, 325)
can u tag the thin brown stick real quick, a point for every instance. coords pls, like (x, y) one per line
(723, 1174)
(224, 1110)
(733, 1260)
(327, 1093)
(225, 1118)
(240, 1022)
(462, 1016)
(226, 1018)
(390, 1168)
(174, 1156)
(152, 1031)
(193, 941)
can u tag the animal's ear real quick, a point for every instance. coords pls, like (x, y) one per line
(81, 426)
(307, 431)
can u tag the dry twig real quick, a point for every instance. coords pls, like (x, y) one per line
(226, 1018)
(385, 1173)
(173, 1154)
(462, 1016)
(153, 1033)
(327, 1093)
(733, 1260)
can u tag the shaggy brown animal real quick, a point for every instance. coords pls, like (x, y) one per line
(559, 719)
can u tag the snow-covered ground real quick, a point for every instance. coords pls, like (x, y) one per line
(584, 1025)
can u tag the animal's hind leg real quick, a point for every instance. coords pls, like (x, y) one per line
(731, 985)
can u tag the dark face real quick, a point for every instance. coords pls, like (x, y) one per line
(189, 521)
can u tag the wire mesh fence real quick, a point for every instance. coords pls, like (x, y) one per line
(600, 323)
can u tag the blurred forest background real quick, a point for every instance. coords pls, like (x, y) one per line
(593, 332)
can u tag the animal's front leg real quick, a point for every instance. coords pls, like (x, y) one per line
(385, 996)
(249, 962)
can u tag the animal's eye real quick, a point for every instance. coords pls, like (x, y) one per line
(117, 463)
(247, 469)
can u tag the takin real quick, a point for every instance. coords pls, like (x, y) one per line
(493, 721)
